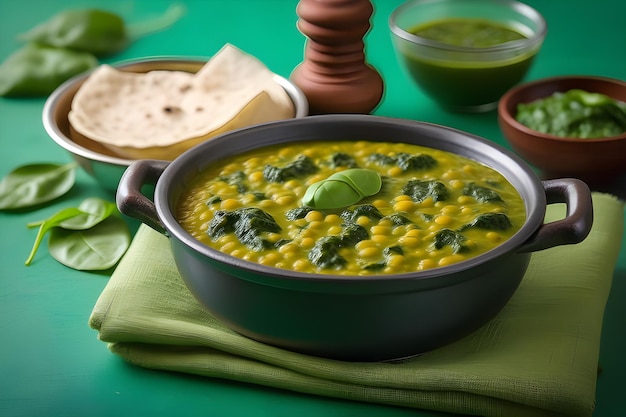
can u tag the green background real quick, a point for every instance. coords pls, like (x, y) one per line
(51, 363)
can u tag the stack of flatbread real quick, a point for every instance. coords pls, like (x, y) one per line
(160, 114)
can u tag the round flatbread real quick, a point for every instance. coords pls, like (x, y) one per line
(160, 114)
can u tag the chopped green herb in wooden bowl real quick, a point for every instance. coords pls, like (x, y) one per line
(569, 126)
(575, 114)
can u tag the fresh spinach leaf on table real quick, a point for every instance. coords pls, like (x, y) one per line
(47, 224)
(37, 70)
(34, 184)
(91, 236)
(70, 43)
(97, 248)
(93, 211)
(96, 31)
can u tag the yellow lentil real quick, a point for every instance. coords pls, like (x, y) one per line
(403, 205)
(301, 265)
(413, 233)
(365, 244)
(395, 261)
(451, 259)
(230, 204)
(269, 259)
(285, 199)
(363, 221)
(394, 172)
(380, 230)
(334, 230)
(443, 220)
(370, 252)
(380, 239)
(333, 219)
(256, 176)
(314, 215)
(426, 264)
(409, 241)
(457, 184)
(380, 204)
(307, 242)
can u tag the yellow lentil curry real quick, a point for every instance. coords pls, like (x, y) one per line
(433, 208)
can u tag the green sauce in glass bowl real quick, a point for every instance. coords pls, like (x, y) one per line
(470, 82)
(466, 55)
(471, 33)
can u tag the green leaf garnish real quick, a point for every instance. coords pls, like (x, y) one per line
(342, 189)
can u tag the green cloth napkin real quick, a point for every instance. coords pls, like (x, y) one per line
(538, 357)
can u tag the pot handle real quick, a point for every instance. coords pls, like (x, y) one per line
(129, 198)
(577, 223)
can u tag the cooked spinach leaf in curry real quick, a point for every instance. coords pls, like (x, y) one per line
(351, 208)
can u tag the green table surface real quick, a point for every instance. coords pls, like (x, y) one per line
(51, 363)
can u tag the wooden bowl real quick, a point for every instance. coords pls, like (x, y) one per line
(595, 161)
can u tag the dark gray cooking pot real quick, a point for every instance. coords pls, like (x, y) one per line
(355, 318)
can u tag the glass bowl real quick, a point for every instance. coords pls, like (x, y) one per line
(466, 78)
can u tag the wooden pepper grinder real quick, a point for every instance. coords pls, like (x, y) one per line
(334, 75)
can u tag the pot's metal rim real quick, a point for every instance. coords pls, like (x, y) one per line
(515, 170)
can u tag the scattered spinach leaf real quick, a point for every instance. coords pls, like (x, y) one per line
(222, 224)
(393, 250)
(409, 162)
(341, 159)
(281, 242)
(398, 219)
(37, 70)
(420, 190)
(368, 210)
(381, 159)
(387, 252)
(94, 210)
(303, 165)
(376, 266)
(353, 234)
(33, 184)
(96, 31)
(68, 44)
(325, 254)
(482, 194)
(259, 195)
(46, 225)
(447, 237)
(405, 161)
(489, 221)
(213, 200)
(297, 213)
(249, 225)
(97, 248)
(73, 229)
(237, 179)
